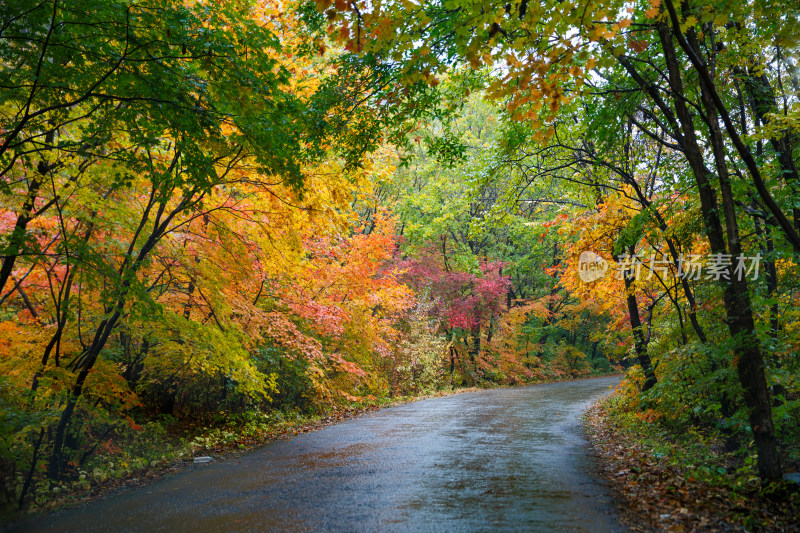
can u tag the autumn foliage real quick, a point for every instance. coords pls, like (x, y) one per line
(193, 231)
(217, 215)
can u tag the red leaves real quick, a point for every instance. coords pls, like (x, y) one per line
(133, 425)
(556, 221)
(637, 46)
(466, 300)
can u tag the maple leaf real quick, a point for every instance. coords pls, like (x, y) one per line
(655, 9)
(637, 46)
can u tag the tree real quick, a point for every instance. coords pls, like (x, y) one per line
(546, 52)
(143, 144)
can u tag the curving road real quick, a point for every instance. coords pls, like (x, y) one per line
(496, 460)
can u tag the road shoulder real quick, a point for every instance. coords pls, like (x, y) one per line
(655, 494)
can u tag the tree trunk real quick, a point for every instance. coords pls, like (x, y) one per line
(17, 237)
(639, 342)
(746, 352)
(747, 347)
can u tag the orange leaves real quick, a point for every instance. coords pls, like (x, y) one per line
(596, 232)
(346, 278)
(327, 292)
(608, 30)
(649, 415)
(599, 32)
(556, 221)
(280, 329)
(576, 71)
(655, 9)
(637, 46)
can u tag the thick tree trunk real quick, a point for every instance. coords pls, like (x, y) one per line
(767, 249)
(475, 350)
(746, 352)
(639, 342)
(747, 347)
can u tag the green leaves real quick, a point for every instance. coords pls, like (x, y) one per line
(446, 149)
(633, 232)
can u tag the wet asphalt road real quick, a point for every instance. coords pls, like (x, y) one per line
(497, 460)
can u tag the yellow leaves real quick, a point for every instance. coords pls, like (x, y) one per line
(778, 124)
(576, 71)
(602, 32)
(721, 19)
(266, 12)
(597, 33)
(689, 22)
(607, 30)
(622, 24)
(786, 268)
(384, 29)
